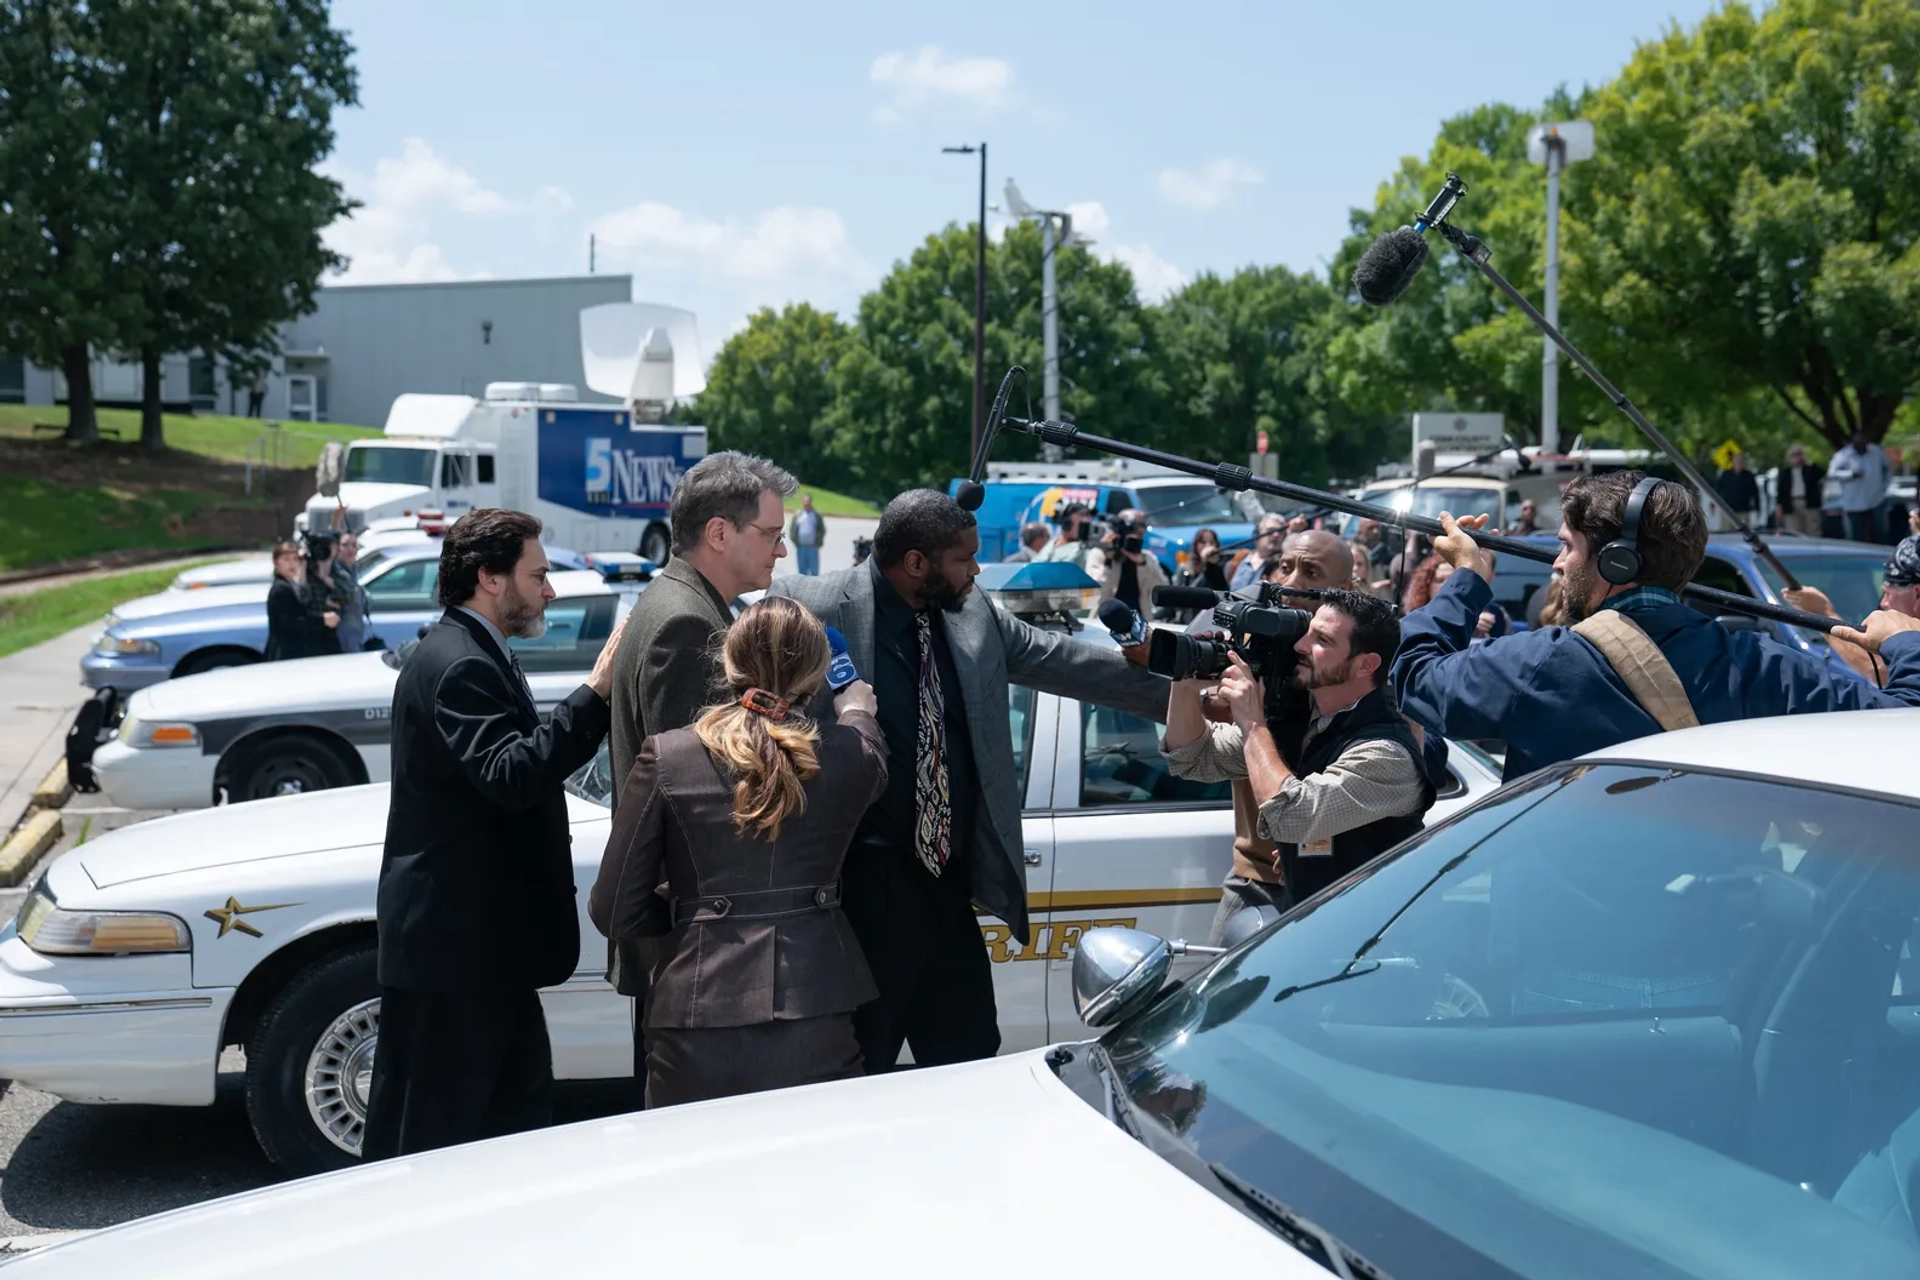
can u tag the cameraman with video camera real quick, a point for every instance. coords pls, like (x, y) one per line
(1336, 772)
(1121, 565)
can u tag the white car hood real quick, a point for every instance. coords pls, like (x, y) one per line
(227, 573)
(171, 601)
(238, 833)
(257, 831)
(962, 1170)
(264, 688)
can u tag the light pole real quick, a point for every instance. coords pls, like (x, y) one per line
(979, 301)
(1556, 146)
(1050, 245)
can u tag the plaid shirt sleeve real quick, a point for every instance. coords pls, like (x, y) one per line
(1218, 755)
(1366, 782)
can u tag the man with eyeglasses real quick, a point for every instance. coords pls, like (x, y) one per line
(728, 534)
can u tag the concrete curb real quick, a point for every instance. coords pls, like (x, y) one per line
(15, 1246)
(54, 790)
(35, 836)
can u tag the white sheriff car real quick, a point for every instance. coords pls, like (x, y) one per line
(282, 728)
(1655, 1012)
(141, 954)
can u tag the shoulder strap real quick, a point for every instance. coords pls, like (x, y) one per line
(1640, 664)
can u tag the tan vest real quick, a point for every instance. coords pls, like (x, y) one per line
(1641, 666)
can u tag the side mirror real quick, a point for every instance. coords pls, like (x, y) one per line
(1115, 971)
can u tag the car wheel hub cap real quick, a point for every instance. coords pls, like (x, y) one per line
(339, 1075)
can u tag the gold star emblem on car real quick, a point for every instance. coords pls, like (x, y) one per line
(228, 917)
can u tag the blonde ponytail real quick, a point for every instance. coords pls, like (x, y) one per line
(780, 647)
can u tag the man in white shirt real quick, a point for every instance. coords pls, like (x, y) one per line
(1863, 473)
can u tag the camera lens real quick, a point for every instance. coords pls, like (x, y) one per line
(1178, 656)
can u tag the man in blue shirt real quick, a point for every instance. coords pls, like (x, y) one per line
(1551, 694)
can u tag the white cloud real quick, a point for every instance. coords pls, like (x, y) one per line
(930, 75)
(1212, 187)
(782, 254)
(389, 239)
(1153, 275)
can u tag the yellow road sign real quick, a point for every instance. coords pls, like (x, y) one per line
(1723, 456)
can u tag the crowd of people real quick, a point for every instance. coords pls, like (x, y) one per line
(800, 853)
(316, 605)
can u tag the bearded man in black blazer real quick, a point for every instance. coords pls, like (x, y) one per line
(476, 899)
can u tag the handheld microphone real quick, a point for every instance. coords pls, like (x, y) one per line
(971, 492)
(1128, 627)
(840, 671)
(1184, 598)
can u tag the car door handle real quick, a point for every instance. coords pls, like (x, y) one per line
(1033, 858)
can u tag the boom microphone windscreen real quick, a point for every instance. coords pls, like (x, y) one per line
(1185, 597)
(1389, 266)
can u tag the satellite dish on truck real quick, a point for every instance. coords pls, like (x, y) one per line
(647, 355)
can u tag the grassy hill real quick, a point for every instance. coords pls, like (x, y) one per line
(209, 435)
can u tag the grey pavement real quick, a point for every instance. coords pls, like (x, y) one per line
(838, 551)
(39, 691)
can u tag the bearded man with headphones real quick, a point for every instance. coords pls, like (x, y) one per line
(1636, 659)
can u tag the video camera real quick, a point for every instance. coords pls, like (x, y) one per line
(320, 544)
(1263, 632)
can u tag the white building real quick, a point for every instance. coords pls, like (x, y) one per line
(366, 344)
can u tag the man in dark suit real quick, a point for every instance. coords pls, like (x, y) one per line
(1796, 493)
(476, 899)
(945, 834)
(726, 526)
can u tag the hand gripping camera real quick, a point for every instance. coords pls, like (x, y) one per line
(1262, 632)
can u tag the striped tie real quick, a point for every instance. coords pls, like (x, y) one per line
(932, 805)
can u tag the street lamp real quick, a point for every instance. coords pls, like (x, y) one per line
(979, 301)
(1556, 146)
(1049, 294)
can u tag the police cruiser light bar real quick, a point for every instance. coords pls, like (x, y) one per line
(621, 566)
(1030, 590)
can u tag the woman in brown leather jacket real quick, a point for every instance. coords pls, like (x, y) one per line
(728, 843)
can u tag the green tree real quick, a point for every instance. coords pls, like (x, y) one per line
(1754, 209)
(903, 400)
(770, 391)
(1247, 353)
(1452, 341)
(216, 113)
(58, 219)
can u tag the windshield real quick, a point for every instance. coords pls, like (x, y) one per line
(391, 466)
(1431, 500)
(593, 781)
(1616, 1021)
(1851, 582)
(1187, 504)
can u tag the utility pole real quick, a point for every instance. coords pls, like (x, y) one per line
(591, 247)
(1556, 146)
(1051, 242)
(979, 301)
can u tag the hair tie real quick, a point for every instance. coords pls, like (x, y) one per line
(762, 703)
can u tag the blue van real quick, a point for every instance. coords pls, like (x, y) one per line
(1177, 507)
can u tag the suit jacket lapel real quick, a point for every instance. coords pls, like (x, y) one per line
(967, 637)
(856, 621)
(481, 637)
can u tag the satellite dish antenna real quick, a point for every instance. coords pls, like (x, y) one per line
(645, 354)
(1017, 204)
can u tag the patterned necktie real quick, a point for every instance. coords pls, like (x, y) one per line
(932, 805)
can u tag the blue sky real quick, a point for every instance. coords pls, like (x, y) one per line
(743, 154)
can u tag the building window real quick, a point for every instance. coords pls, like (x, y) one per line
(486, 468)
(13, 379)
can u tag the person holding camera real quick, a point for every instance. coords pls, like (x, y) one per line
(1072, 545)
(1335, 772)
(295, 629)
(1121, 565)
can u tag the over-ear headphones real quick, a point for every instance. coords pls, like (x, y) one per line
(1620, 559)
